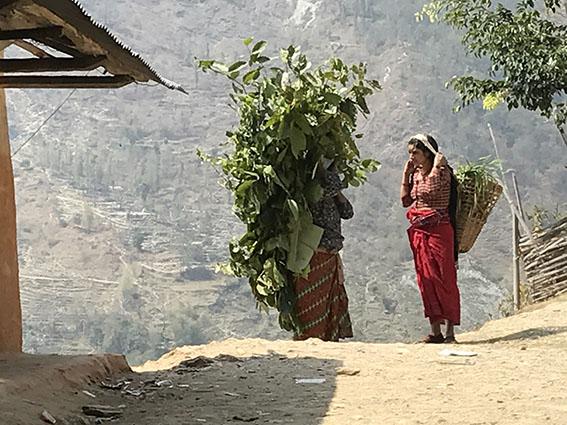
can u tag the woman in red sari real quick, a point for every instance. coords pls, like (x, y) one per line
(429, 189)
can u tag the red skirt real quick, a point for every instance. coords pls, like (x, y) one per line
(321, 300)
(431, 240)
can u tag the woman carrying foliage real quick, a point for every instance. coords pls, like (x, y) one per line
(321, 300)
(291, 116)
(429, 189)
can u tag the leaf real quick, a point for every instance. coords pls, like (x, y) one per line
(259, 47)
(251, 76)
(276, 242)
(313, 192)
(284, 55)
(361, 101)
(370, 164)
(314, 81)
(205, 64)
(492, 100)
(279, 278)
(236, 66)
(261, 289)
(292, 205)
(275, 118)
(224, 268)
(298, 141)
(248, 41)
(219, 67)
(244, 186)
(269, 171)
(333, 98)
(237, 89)
(304, 240)
(302, 122)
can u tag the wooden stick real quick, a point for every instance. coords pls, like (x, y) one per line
(516, 263)
(543, 255)
(548, 284)
(515, 210)
(516, 248)
(517, 192)
(546, 296)
(559, 284)
(546, 264)
(545, 272)
(536, 267)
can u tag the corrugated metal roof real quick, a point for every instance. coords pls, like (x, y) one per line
(156, 76)
(85, 33)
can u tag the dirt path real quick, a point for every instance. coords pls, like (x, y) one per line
(518, 376)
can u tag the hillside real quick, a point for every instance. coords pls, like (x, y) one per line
(516, 376)
(120, 225)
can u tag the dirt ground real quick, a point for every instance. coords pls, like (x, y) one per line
(517, 375)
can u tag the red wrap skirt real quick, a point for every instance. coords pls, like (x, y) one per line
(431, 240)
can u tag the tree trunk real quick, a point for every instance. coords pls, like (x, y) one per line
(10, 310)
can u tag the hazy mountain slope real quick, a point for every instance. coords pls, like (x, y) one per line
(142, 200)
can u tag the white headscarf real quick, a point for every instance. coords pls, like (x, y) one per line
(423, 139)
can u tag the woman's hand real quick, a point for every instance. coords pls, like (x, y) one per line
(440, 160)
(409, 168)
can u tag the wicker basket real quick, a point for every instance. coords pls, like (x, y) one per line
(471, 214)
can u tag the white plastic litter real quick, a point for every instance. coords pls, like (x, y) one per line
(447, 352)
(310, 380)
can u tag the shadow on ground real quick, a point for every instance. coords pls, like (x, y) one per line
(528, 334)
(267, 389)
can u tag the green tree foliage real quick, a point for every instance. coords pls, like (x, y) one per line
(527, 50)
(291, 117)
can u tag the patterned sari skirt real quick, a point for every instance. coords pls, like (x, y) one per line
(321, 300)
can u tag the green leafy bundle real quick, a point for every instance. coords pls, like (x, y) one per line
(290, 118)
(481, 175)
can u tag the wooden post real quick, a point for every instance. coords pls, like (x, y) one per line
(505, 191)
(516, 245)
(10, 310)
(516, 262)
(517, 221)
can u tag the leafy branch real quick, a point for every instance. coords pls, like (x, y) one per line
(527, 50)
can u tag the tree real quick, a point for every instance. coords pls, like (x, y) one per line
(527, 50)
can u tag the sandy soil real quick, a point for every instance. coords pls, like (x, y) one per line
(518, 376)
(31, 384)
